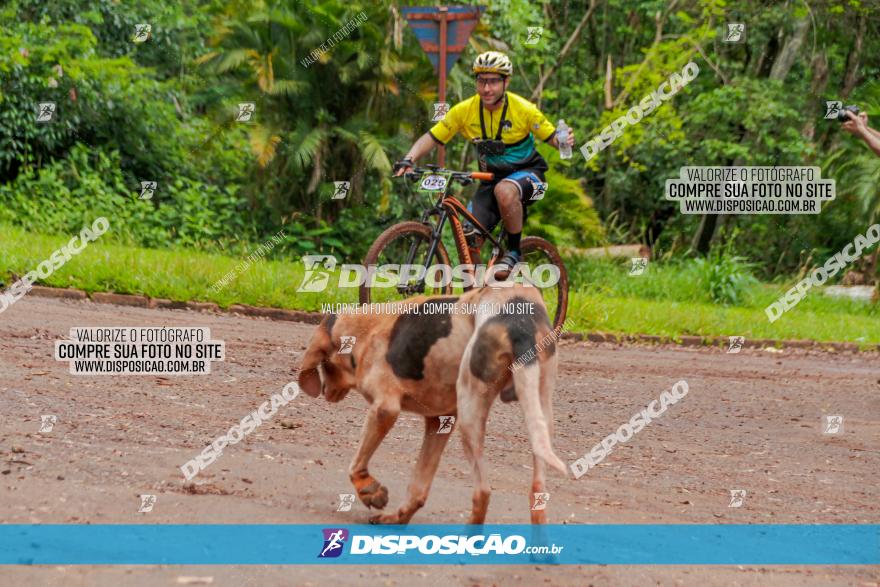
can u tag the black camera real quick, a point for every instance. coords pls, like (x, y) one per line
(489, 147)
(841, 114)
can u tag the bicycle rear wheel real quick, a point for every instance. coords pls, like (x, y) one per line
(390, 252)
(536, 252)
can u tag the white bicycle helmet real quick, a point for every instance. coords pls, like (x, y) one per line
(493, 62)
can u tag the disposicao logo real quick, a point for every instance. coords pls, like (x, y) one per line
(334, 540)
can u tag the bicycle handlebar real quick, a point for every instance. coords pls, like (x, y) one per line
(460, 176)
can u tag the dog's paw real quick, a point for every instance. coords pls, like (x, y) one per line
(508, 395)
(374, 495)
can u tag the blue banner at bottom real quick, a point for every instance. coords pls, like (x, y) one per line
(605, 544)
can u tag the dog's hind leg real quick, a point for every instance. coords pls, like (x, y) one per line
(429, 459)
(380, 419)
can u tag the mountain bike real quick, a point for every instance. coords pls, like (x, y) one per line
(410, 258)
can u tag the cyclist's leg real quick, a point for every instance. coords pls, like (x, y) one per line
(513, 194)
(485, 209)
(507, 195)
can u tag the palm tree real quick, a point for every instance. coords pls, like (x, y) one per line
(316, 120)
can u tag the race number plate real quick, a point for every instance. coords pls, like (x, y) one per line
(433, 183)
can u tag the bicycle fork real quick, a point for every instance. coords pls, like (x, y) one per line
(419, 286)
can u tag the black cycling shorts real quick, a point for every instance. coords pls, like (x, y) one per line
(484, 206)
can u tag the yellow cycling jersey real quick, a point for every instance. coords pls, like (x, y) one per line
(523, 116)
(522, 121)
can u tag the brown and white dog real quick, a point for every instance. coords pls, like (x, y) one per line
(441, 363)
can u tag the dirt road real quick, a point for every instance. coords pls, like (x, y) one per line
(750, 421)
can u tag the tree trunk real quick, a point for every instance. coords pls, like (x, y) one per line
(852, 61)
(565, 49)
(817, 88)
(790, 50)
(609, 102)
(768, 57)
(776, 69)
(703, 239)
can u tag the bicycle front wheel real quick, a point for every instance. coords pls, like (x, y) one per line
(397, 267)
(549, 274)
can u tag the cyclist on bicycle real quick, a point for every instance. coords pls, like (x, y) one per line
(502, 125)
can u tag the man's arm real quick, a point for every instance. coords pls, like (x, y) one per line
(873, 140)
(440, 134)
(424, 145)
(541, 127)
(858, 126)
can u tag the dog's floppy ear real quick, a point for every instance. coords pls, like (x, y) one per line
(319, 348)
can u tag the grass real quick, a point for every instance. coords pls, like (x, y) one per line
(668, 300)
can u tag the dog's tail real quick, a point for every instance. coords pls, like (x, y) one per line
(527, 381)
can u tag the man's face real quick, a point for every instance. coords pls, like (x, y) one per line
(490, 87)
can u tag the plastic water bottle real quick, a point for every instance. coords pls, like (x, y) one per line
(562, 137)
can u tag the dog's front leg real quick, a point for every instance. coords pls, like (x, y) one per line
(474, 400)
(433, 444)
(380, 419)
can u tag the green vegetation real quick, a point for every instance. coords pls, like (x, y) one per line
(667, 300)
(164, 111)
